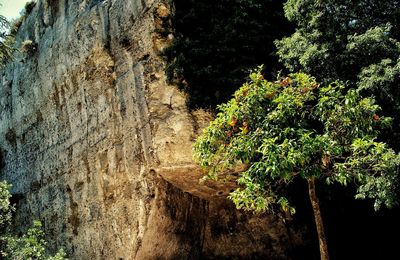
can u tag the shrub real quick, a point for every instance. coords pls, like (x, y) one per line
(29, 7)
(31, 245)
(16, 23)
(5, 208)
(29, 47)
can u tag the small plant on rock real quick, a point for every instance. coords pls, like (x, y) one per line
(29, 7)
(29, 47)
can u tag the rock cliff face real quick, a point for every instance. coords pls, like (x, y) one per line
(98, 146)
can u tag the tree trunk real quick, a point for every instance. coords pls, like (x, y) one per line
(323, 246)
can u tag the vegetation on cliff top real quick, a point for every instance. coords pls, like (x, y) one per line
(8, 31)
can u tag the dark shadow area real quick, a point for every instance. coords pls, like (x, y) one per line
(2, 159)
(217, 43)
(354, 229)
(303, 221)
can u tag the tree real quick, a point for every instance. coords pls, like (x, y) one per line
(31, 245)
(293, 128)
(218, 42)
(6, 42)
(357, 42)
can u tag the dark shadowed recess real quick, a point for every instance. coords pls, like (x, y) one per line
(218, 42)
(354, 229)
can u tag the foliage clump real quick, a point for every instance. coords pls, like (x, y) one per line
(8, 32)
(16, 23)
(29, 47)
(357, 42)
(5, 208)
(31, 245)
(295, 128)
(6, 42)
(29, 7)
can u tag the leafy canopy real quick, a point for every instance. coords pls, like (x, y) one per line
(357, 42)
(293, 128)
(338, 39)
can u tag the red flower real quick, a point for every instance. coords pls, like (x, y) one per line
(286, 82)
(233, 122)
(376, 117)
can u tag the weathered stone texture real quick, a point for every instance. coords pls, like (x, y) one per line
(88, 122)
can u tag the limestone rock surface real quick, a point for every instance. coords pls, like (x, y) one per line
(97, 145)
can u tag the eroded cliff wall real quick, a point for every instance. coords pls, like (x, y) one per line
(98, 146)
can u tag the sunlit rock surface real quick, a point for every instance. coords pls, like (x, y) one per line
(98, 146)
